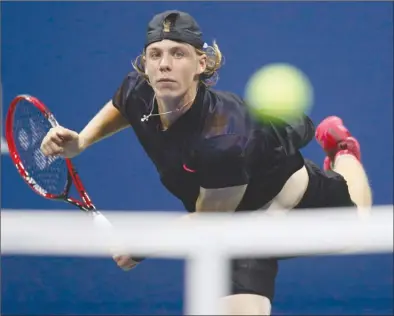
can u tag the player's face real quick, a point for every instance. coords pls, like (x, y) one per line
(173, 68)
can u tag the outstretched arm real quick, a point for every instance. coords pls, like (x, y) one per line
(105, 123)
(68, 143)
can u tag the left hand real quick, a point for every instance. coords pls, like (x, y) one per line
(125, 262)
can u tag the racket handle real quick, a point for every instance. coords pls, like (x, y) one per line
(101, 221)
(104, 225)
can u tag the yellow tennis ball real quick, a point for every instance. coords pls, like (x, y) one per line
(278, 91)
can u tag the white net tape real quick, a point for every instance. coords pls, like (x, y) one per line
(207, 241)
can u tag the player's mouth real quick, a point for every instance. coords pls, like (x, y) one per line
(166, 80)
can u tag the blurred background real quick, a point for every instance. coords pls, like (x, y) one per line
(74, 55)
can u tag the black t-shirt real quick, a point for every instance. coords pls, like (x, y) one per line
(215, 144)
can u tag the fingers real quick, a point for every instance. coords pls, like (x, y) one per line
(65, 134)
(52, 149)
(55, 140)
(126, 263)
(51, 145)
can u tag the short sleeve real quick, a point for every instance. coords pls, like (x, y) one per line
(301, 131)
(128, 85)
(295, 134)
(221, 162)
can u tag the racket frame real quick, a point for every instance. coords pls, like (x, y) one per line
(72, 176)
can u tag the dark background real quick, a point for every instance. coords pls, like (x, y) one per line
(74, 55)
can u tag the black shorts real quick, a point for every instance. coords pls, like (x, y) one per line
(257, 275)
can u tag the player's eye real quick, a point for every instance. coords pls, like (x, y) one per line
(179, 54)
(154, 54)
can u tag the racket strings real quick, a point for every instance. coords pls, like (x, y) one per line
(30, 128)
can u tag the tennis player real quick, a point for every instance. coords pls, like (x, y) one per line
(209, 152)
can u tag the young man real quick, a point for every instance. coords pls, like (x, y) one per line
(210, 153)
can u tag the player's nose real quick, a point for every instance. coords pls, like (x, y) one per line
(165, 63)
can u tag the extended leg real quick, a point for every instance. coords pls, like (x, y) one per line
(343, 157)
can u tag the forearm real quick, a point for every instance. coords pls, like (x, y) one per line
(220, 200)
(106, 122)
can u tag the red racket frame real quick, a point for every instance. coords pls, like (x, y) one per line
(86, 203)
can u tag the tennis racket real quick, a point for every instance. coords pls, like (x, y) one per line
(28, 121)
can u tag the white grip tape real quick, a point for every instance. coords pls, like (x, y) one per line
(100, 221)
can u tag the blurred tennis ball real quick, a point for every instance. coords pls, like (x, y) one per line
(278, 91)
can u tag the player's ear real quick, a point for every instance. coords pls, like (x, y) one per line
(202, 64)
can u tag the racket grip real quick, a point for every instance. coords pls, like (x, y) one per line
(104, 225)
(101, 221)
